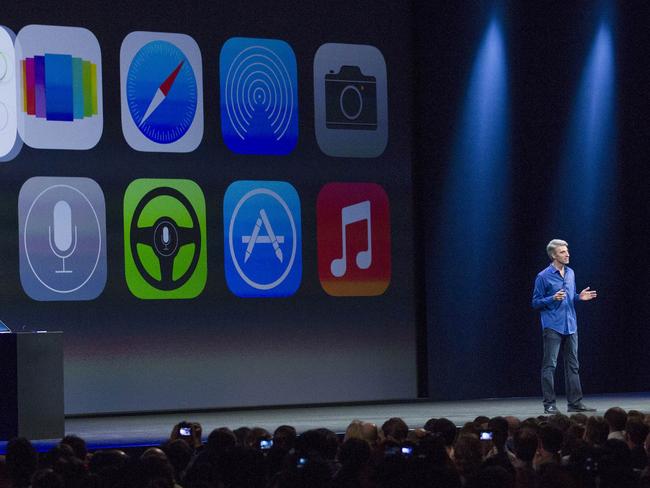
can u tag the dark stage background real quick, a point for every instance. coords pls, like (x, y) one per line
(483, 338)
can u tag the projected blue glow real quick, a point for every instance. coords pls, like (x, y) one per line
(587, 173)
(475, 198)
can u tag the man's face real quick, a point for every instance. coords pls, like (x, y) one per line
(561, 254)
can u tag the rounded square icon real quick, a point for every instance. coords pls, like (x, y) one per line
(161, 86)
(259, 96)
(59, 73)
(262, 239)
(353, 239)
(10, 143)
(165, 250)
(62, 238)
(350, 100)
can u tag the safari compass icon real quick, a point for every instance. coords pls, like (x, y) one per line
(162, 92)
(164, 239)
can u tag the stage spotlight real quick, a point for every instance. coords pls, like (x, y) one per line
(474, 210)
(586, 190)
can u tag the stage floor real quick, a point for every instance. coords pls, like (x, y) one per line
(153, 429)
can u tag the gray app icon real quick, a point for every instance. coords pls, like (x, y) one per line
(62, 238)
(350, 100)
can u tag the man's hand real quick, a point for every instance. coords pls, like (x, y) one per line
(559, 295)
(588, 294)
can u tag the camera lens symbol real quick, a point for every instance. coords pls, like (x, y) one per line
(350, 100)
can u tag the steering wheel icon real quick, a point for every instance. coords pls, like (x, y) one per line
(166, 238)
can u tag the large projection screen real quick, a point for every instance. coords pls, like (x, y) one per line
(213, 203)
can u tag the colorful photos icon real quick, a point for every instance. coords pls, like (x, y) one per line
(259, 96)
(262, 239)
(69, 93)
(165, 253)
(353, 239)
(60, 87)
(162, 93)
(62, 238)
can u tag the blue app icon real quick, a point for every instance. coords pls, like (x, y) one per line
(259, 96)
(161, 86)
(262, 239)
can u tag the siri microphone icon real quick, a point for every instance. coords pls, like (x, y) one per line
(63, 246)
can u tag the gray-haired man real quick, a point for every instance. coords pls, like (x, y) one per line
(554, 296)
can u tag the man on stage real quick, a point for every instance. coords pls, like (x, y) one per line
(554, 296)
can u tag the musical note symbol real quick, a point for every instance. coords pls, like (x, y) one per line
(349, 215)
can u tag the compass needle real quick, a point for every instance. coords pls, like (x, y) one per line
(161, 92)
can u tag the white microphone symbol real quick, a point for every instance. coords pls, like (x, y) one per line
(63, 234)
(165, 237)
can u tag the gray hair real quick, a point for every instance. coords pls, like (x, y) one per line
(553, 245)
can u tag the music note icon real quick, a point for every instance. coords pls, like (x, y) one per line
(349, 215)
(353, 259)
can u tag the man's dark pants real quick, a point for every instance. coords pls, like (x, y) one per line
(553, 342)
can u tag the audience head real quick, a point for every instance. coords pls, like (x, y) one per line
(579, 418)
(242, 434)
(153, 470)
(396, 429)
(550, 439)
(513, 425)
(616, 418)
(596, 431)
(525, 444)
(154, 452)
(314, 443)
(221, 439)
(108, 460)
(636, 414)
(445, 428)
(330, 444)
(354, 430)
(636, 431)
(179, 454)
(481, 421)
(470, 428)
(258, 434)
(354, 453)
(21, 460)
(468, 454)
(433, 450)
(562, 422)
(78, 446)
(284, 438)
(499, 428)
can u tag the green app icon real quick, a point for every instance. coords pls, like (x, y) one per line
(165, 252)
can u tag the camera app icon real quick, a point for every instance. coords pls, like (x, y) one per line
(350, 100)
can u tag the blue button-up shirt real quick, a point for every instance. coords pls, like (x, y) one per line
(557, 315)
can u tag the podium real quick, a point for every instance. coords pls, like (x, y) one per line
(31, 382)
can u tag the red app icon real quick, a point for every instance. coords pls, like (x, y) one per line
(353, 234)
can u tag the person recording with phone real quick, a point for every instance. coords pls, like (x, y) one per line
(554, 295)
(190, 432)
